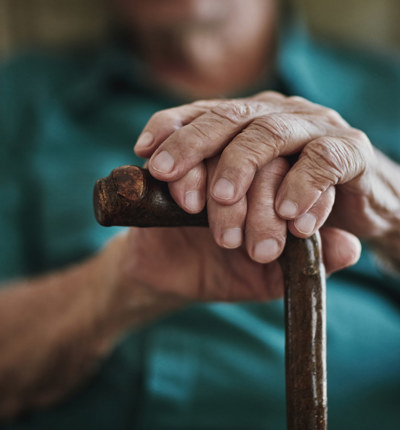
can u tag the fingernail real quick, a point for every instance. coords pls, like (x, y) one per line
(306, 223)
(163, 162)
(232, 237)
(224, 189)
(145, 139)
(288, 209)
(192, 201)
(265, 251)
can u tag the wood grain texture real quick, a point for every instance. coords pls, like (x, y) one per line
(305, 342)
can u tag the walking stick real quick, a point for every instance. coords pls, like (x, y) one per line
(129, 196)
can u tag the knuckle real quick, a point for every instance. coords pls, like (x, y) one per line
(297, 100)
(195, 178)
(333, 117)
(361, 147)
(271, 130)
(166, 116)
(255, 230)
(273, 173)
(333, 160)
(280, 166)
(234, 111)
(359, 137)
(155, 118)
(241, 174)
(325, 162)
(318, 179)
(250, 152)
(358, 134)
(194, 129)
(162, 114)
(230, 216)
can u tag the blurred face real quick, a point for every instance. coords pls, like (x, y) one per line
(215, 39)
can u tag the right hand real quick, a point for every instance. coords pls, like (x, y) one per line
(253, 195)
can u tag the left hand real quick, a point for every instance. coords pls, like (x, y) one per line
(153, 269)
(250, 187)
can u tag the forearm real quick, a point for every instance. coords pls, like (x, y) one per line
(54, 330)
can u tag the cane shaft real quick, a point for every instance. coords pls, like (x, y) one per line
(305, 340)
(129, 196)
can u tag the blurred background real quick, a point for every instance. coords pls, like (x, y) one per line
(25, 23)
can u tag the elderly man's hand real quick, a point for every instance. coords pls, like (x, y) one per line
(234, 154)
(181, 265)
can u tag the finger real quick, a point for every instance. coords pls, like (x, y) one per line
(265, 231)
(203, 137)
(324, 162)
(264, 139)
(226, 222)
(163, 123)
(340, 249)
(308, 223)
(189, 192)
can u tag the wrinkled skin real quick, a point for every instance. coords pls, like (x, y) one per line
(237, 155)
(189, 45)
(252, 193)
(186, 265)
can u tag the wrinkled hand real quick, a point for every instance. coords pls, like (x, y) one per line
(231, 153)
(186, 265)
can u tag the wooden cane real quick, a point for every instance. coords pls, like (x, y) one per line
(130, 196)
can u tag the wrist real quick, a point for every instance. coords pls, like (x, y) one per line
(127, 302)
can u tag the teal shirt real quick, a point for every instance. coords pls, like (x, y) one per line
(66, 121)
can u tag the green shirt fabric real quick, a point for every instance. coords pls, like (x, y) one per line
(66, 120)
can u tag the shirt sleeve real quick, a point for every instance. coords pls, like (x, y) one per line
(20, 87)
(12, 111)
